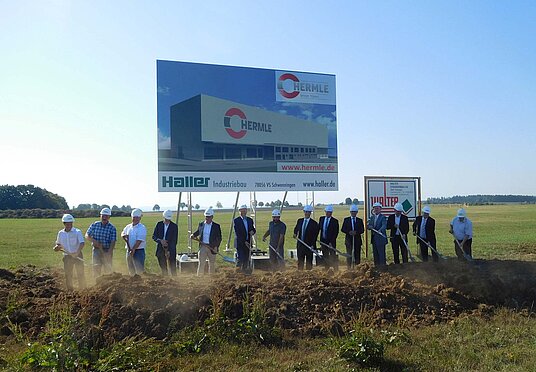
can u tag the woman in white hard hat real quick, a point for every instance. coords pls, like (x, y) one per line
(276, 246)
(424, 228)
(70, 241)
(209, 233)
(135, 236)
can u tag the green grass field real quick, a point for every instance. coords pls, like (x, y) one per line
(503, 341)
(500, 231)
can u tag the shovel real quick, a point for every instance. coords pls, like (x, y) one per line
(225, 258)
(276, 252)
(465, 255)
(308, 246)
(432, 248)
(329, 246)
(69, 254)
(406, 244)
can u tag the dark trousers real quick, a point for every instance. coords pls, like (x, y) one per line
(466, 247)
(399, 246)
(424, 252)
(165, 262)
(356, 250)
(304, 254)
(242, 255)
(331, 259)
(70, 263)
(276, 262)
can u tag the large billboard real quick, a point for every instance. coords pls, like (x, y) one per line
(227, 128)
(391, 190)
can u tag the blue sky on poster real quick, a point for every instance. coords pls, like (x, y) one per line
(179, 81)
(444, 90)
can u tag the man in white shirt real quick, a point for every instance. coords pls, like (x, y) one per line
(135, 236)
(70, 241)
(461, 228)
(209, 236)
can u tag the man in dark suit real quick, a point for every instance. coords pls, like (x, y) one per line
(353, 227)
(165, 235)
(209, 233)
(398, 223)
(244, 230)
(424, 227)
(378, 222)
(329, 230)
(307, 230)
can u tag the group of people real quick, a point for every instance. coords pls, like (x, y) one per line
(103, 235)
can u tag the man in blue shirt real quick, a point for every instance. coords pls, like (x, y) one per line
(103, 236)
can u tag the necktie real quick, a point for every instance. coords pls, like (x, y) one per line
(353, 223)
(304, 227)
(326, 222)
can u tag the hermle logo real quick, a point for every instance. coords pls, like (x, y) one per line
(245, 125)
(295, 87)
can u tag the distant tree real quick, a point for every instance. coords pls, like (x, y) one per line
(348, 201)
(277, 203)
(341, 203)
(286, 203)
(300, 204)
(261, 204)
(29, 197)
(254, 203)
(219, 205)
(156, 208)
(197, 206)
(115, 208)
(183, 205)
(355, 201)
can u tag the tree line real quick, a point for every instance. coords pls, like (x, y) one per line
(482, 199)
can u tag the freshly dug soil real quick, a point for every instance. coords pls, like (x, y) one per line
(313, 303)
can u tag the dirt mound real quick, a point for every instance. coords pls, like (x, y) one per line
(303, 303)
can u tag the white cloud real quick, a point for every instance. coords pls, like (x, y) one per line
(164, 142)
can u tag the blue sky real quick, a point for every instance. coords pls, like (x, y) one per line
(444, 90)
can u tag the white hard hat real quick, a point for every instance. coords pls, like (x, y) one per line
(426, 209)
(461, 213)
(376, 205)
(167, 214)
(276, 213)
(398, 207)
(209, 212)
(329, 208)
(354, 208)
(308, 208)
(67, 218)
(136, 213)
(106, 212)
(184, 258)
(243, 206)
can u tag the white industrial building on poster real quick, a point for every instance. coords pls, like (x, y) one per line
(210, 134)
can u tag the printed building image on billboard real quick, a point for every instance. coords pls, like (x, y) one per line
(224, 128)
